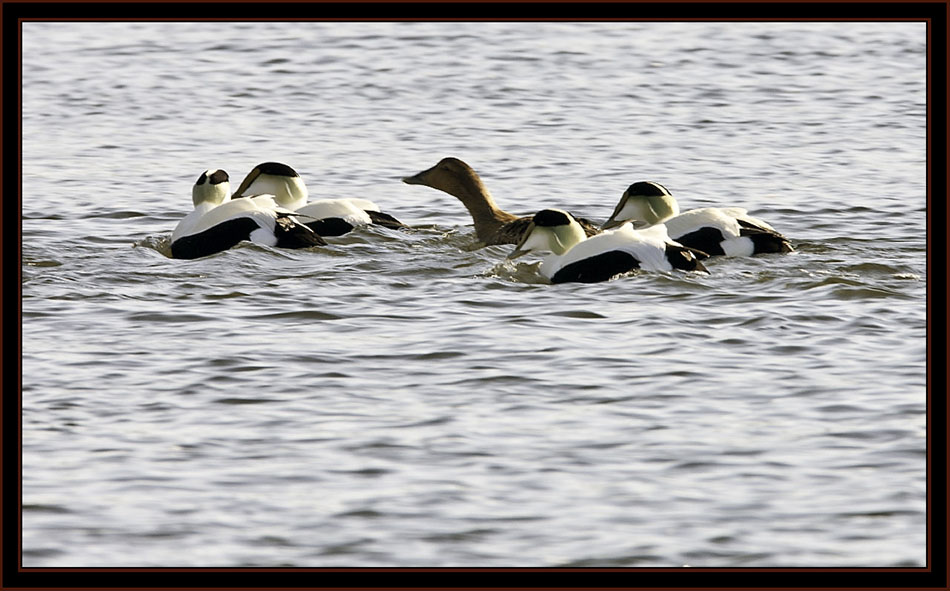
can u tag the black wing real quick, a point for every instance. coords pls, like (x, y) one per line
(705, 239)
(330, 226)
(215, 239)
(764, 239)
(385, 220)
(291, 234)
(597, 268)
(685, 258)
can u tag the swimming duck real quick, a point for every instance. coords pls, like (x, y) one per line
(577, 258)
(726, 231)
(492, 225)
(326, 217)
(218, 223)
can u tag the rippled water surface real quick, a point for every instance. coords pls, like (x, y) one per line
(403, 398)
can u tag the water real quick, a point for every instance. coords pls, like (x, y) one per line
(406, 399)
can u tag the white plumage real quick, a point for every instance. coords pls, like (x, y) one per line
(328, 217)
(729, 231)
(262, 209)
(574, 257)
(347, 210)
(217, 223)
(647, 246)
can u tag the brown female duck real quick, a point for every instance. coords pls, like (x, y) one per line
(492, 225)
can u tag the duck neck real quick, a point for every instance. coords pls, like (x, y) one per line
(480, 204)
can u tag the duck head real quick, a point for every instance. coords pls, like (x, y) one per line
(213, 186)
(644, 203)
(457, 178)
(279, 180)
(449, 175)
(551, 230)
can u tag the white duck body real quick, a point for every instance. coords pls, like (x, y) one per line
(576, 258)
(725, 221)
(728, 231)
(647, 246)
(218, 223)
(345, 212)
(262, 209)
(327, 217)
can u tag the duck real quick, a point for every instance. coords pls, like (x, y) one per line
(218, 223)
(492, 224)
(717, 231)
(576, 258)
(326, 217)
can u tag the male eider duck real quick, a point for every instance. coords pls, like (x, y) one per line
(492, 225)
(217, 224)
(576, 258)
(326, 217)
(726, 231)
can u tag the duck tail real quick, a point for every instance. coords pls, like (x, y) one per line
(385, 220)
(770, 243)
(685, 259)
(764, 239)
(292, 234)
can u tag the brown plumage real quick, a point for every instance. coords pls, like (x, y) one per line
(492, 225)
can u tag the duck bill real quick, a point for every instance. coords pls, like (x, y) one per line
(417, 179)
(517, 252)
(612, 221)
(250, 178)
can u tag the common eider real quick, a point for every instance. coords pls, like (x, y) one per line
(217, 223)
(492, 225)
(576, 258)
(728, 231)
(327, 217)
